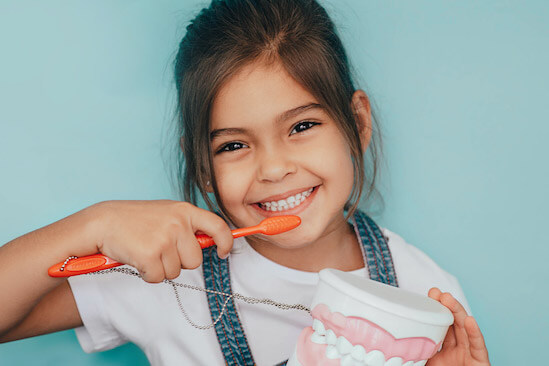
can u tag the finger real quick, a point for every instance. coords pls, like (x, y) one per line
(171, 262)
(477, 346)
(153, 272)
(460, 314)
(190, 253)
(450, 339)
(434, 293)
(214, 226)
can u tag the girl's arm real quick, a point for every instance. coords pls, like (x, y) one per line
(464, 344)
(24, 280)
(155, 237)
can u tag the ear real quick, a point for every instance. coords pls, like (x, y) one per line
(363, 117)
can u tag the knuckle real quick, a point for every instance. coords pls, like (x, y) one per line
(163, 245)
(173, 275)
(151, 277)
(193, 262)
(182, 206)
(221, 227)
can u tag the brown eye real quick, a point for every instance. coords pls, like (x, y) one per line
(303, 126)
(231, 146)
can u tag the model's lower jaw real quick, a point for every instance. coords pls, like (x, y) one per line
(357, 321)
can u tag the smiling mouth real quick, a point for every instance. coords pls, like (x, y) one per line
(286, 203)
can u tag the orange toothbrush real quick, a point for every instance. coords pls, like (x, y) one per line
(97, 262)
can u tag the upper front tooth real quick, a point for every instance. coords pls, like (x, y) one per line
(319, 327)
(374, 358)
(358, 353)
(331, 338)
(290, 199)
(394, 361)
(282, 203)
(344, 346)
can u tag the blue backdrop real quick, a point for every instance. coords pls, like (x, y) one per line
(462, 93)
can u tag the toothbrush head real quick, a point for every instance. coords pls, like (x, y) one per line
(279, 224)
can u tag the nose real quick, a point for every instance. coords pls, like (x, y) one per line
(275, 166)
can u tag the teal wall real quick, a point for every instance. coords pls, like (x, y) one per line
(462, 92)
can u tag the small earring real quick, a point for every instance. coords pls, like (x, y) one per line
(208, 183)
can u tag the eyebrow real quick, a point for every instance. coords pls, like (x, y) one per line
(282, 117)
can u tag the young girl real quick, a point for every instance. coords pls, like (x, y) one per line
(270, 123)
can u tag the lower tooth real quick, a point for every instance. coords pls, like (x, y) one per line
(318, 339)
(347, 361)
(374, 358)
(331, 352)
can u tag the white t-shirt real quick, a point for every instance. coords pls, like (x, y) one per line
(116, 308)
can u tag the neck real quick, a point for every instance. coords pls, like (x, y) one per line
(337, 248)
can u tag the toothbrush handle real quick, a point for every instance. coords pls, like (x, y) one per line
(98, 262)
(206, 241)
(77, 266)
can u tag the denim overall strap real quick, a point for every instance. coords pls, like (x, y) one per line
(230, 333)
(377, 256)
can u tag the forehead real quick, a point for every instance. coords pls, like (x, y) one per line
(258, 92)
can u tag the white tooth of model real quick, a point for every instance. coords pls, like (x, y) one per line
(395, 361)
(331, 352)
(331, 338)
(374, 358)
(395, 317)
(347, 360)
(343, 346)
(358, 353)
(319, 327)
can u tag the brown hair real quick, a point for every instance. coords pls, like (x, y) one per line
(232, 33)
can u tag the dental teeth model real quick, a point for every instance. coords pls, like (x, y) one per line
(357, 321)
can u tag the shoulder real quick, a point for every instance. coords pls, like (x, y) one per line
(417, 272)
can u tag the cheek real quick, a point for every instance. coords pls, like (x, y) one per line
(335, 162)
(232, 182)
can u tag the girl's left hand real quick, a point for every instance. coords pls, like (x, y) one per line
(464, 343)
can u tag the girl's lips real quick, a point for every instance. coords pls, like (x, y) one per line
(291, 211)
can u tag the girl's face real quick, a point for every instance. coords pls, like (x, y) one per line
(276, 151)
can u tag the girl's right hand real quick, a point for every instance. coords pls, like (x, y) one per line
(157, 237)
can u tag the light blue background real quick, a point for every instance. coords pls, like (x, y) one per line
(86, 103)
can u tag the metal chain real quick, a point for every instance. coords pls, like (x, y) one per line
(175, 285)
